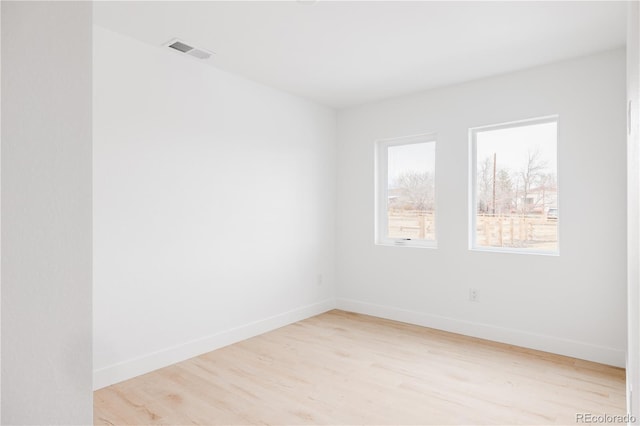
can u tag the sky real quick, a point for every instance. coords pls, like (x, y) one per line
(512, 145)
(415, 157)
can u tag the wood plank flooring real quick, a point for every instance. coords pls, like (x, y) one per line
(341, 368)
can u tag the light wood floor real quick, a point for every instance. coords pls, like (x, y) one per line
(342, 368)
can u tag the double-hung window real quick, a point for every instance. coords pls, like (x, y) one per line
(405, 191)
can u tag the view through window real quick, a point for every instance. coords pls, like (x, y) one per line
(407, 202)
(515, 186)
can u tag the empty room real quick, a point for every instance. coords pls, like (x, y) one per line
(320, 212)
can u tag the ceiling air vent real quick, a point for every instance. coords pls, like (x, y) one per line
(185, 48)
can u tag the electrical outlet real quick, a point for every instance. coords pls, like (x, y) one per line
(473, 295)
(319, 279)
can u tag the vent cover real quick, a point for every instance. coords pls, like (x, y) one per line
(185, 48)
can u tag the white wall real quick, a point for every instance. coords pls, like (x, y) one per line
(214, 203)
(633, 210)
(572, 304)
(46, 213)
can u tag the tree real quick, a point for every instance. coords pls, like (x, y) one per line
(504, 192)
(548, 186)
(484, 181)
(531, 175)
(416, 190)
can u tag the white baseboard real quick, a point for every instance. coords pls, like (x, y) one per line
(572, 348)
(134, 367)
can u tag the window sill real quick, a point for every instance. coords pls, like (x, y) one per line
(515, 251)
(410, 243)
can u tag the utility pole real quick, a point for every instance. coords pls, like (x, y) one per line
(494, 183)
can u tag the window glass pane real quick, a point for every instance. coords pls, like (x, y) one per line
(516, 189)
(411, 191)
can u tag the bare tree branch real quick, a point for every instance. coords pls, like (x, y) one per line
(416, 191)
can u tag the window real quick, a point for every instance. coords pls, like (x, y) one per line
(514, 194)
(405, 190)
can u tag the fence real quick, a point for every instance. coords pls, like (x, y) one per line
(413, 224)
(518, 231)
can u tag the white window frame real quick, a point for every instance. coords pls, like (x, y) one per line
(382, 195)
(473, 246)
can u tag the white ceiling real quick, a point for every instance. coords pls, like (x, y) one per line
(347, 53)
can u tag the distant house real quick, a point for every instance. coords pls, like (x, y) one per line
(540, 199)
(393, 196)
